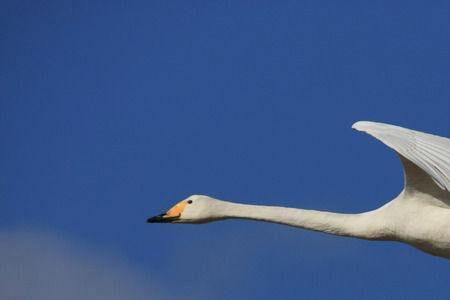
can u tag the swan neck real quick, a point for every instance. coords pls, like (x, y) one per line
(361, 225)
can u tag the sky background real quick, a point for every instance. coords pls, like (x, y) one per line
(110, 113)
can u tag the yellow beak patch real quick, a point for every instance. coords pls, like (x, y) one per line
(176, 210)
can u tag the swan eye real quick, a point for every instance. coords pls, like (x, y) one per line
(189, 201)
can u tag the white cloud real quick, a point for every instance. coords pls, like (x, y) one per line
(36, 265)
(211, 262)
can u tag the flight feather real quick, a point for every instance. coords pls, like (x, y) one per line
(431, 153)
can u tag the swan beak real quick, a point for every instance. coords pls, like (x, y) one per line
(162, 218)
(171, 215)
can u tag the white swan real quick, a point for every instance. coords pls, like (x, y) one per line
(419, 215)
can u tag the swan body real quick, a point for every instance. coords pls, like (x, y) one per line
(418, 216)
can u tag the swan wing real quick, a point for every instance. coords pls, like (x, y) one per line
(423, 155)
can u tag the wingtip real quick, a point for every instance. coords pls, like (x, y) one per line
(360, 125)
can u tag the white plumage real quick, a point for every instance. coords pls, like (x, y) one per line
(429, 152)
(419, 215)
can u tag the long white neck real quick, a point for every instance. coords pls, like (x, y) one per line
(364, 225)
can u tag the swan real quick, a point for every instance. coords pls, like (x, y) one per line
(418, 216)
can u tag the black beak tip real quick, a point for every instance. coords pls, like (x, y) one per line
(157, 219)
(154, 219)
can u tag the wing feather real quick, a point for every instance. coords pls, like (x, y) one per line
(431, 153)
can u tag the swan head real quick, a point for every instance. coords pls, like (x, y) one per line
(194, 209)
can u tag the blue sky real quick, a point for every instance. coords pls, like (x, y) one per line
(111, 113)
